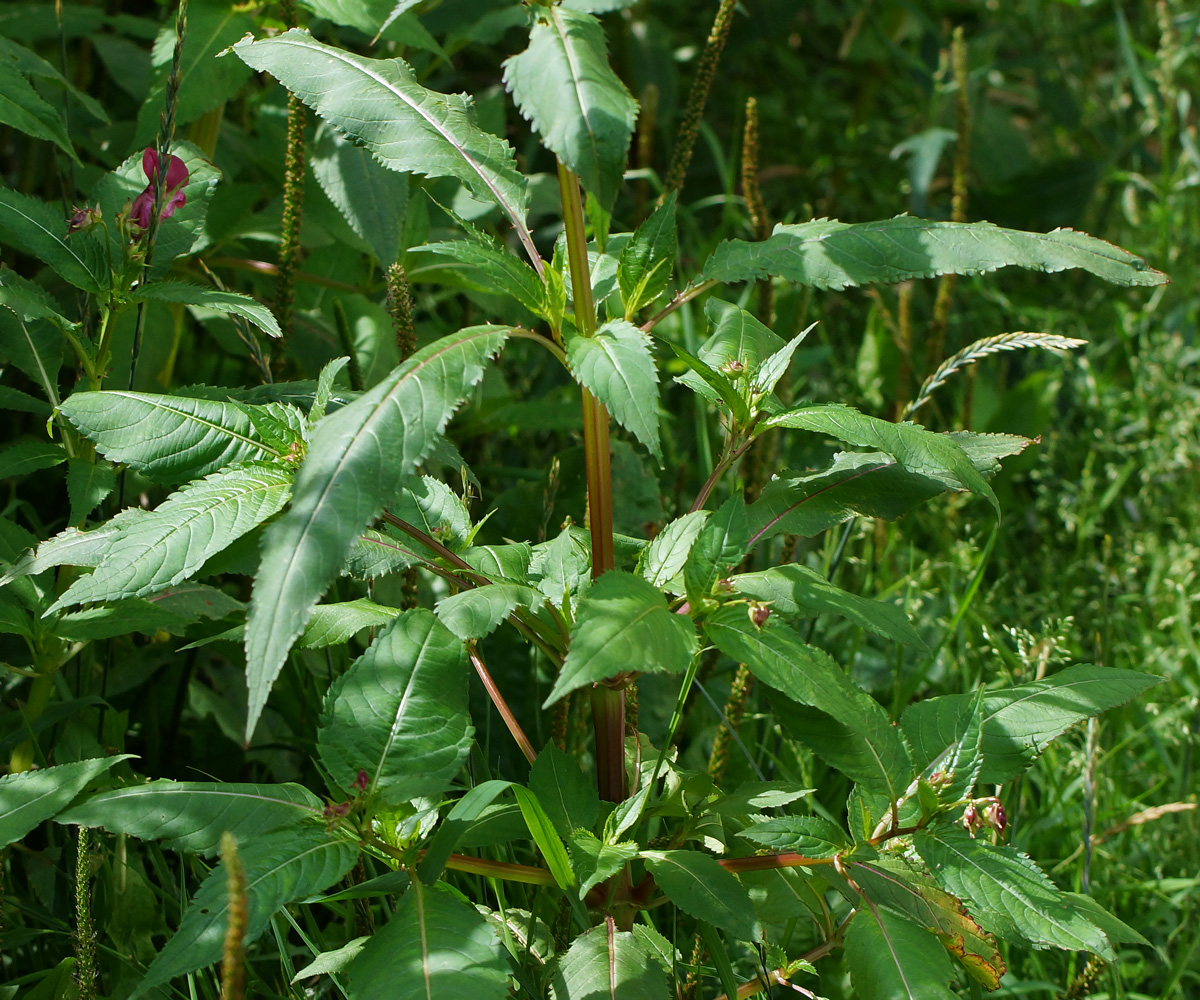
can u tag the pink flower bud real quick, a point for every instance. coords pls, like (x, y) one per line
(173, 196)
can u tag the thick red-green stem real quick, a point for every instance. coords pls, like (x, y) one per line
(608, 704)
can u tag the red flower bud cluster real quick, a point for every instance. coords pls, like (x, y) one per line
(173, 196)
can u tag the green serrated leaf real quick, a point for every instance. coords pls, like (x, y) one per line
(165, 546)
(797, 590)
(565, 87)
(192, 815)
(399, 714)
(548, 842)
(474, 614)
(713, 385)
(623, 624)
(826, 253)
(192, 437)
(868, 747)
(594, 861)
(280, 868)
(1007, 892)
(501, 270)
(811, 836)
(606, 964)
(936, 456)
(334, 624)
(562, 565)
(88, 483)
(774, 367)
(665, 556)
(24, 457)
(1020, 722)
(357, 460)
(644, 267)
(436, 509)
(230, 303)
(703, 889)
(28, 797)
(719, 547)
(24, 109)
(434, 948)
(617, 367)
(379, 104)
(570, 799)
(892, 959)
(40, 231)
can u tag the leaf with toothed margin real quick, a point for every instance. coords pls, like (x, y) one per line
(357, 461)
(825, 253)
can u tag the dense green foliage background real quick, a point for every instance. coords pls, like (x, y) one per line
(1082, 115)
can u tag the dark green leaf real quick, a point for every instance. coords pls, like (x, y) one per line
(811, 836)
(607, 964)
(623, 624)
(88, 483)
(28, 797)
(825, 253)
(548, 842)
(476, 613)
(499, 269)
(211, 298)
(24, 109)
(25, 457)
(644, 267)
(665, 556)
(41, 231)
(594, 861)
(400, 713)
(570, 799)
(192, 815)
(719, 547)
(618, 368)
(703, 889)
(892, 959)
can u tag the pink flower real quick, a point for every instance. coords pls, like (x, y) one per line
(177, 177)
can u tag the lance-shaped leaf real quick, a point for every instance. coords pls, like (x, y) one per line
(719, 546)
(623, 624)
(699, 886)
(665, 556)
(400, 713)
(280, 868)
(29, 300)
(40, 231)
(618, 368)
(793, 589)
(1007, 892)
(357, 461)
(24, 109)
(593, 860)
(499, 269)
(570, 799)
(167, 545)
(175, 438)
(476, 613)
(738, 344)
(860, 484)
(811, 836)
(607, 964)
(892, 959)
(379, 104)
(892, 882)
(936, 456)
(644, 267)
(28, 797)
(230, 303)
(860, 736)
(435, 948)
(1019, 722)
(826, 253)
(565, 87)
(192, 815)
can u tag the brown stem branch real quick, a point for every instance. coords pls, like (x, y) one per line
(506, 713)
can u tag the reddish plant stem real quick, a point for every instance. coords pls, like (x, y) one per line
(506, 714)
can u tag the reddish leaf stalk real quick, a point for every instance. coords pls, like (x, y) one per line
(506, 714)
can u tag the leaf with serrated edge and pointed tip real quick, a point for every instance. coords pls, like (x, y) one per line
(665, 556)
(699, 886)
(892, 959)
(400, 713)
(593, 860)
(190, 437)
(713, 385)
(773, 368)
(811, 836)
(826, 253)
(28, 797)
(379, 104)
(192, 815)
(737, 339)
(504, 272)
(565, 87)
(893, 883)
(607, 964)
(231, 303)
(357, 460)
(916, 449)
(859, 484)
(40, 230)
(874, 753)
(1007, 892)
(167, 545)
(570, 800)
(719, 547)
(793, 589)
(644, 267)
(280, 868)
(24, 109)
(1020, 722)
(29, 300)
(436, 947)
(334, 624)
(624, 624)
(474, 614)
(617, 367)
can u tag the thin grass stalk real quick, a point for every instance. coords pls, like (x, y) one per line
(293, 198)
(706, 69)
(233, 956)
(85, 929)
(958, 200)
(981, 349)
(166, 136)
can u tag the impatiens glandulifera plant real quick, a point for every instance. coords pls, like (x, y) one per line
(582, 865)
